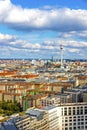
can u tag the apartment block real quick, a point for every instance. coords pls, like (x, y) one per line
(34, 120)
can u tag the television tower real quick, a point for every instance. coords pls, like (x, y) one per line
(61, 56)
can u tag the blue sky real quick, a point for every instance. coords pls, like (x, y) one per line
(37, 28)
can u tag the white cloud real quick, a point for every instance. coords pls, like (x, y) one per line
(59, 19)
(73, 50)
(70, 24)
(7, 37)
(13, 45)
(82, 35)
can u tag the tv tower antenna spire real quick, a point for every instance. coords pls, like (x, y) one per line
(61, 55)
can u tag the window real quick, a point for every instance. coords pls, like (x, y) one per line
(70, 124)
(85, 109)
(81, 112)
(78, 123)
(74, 123)
(69, 111)
(74, 128)
(85, 117)
(65, 111)
(74, 117)
(66, 128)
(73, 110)
(66, 124)
(70, 128)
(78, 119)
(82, 123)
(82, 119)
(78, 112)
(74, 120)
(62, 111)
(82, 127)
(66, 120)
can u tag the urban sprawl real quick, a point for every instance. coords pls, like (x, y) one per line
(43, 95)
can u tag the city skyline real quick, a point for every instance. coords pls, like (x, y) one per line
(36, 28)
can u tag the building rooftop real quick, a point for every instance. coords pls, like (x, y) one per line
(49, 107)
(36, 112)
(71, 91)
(8, 126)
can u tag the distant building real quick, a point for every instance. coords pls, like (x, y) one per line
(76, 95)
(55, 99)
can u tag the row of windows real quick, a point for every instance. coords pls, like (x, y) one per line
(78, 123)
(75, 128)
(75, 117)
(74, 110)
(74, 120)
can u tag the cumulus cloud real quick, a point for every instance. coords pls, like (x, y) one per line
(59, 19)
(7, 40)
(73, 50)
(71, 25)
(81, 35)
(7, 37)
(14, 46)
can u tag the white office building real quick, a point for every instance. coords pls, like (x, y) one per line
(71, 116)
(53, 118)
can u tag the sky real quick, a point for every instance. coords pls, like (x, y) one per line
(35, 29)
